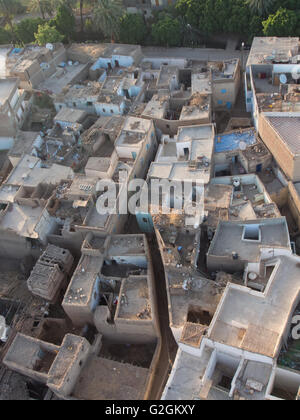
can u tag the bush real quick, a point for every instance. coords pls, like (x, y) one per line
(48, 34)
(26, 29)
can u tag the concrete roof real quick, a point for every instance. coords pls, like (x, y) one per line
(195, 132)
(22, 220)
(263, 47)
(229, 238)
(185, 380)
(156, 109)
(254, 321)
(30, 173)
(70, 115)
(23, 143)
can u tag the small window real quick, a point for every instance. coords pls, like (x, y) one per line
(104, 110)
(89, 103)
(74, 104)
(148, 147)
(111, 111)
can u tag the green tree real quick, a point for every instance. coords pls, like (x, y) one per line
(283, 23)
(48, 34)
(26, 29)
(192, 10)
(8, 9)
(107, 14)
(64, 21)
(133, 29)
(167, 31)
(5, 36)
(44, 7)
(262, 7)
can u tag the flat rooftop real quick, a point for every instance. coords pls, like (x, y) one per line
(70, 115)
(30, 173)
(156, 109)
(229, 238)
(23, 143)
(265, 49)
(22, 220)
(137, 125)
(288, 128)
(256, 322)
(104, 379)
(236, 140)
(59, 81)
(197, 132)
(185, 380)
(201, 82)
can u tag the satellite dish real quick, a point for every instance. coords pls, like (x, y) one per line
(283, 79)
(50, 47)
(242, 145)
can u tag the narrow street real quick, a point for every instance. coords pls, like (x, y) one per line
(169, 346)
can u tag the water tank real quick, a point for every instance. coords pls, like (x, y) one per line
(236, 182)
(283, 79)
(252, 276)
(50, 47)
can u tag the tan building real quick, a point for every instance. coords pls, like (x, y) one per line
(281, 134)
(14, 106)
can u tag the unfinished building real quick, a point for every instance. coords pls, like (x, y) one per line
(113, 290)
(50, 274)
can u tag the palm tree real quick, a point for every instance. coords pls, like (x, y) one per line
(262, 7)
(8, 9)
(107, 14)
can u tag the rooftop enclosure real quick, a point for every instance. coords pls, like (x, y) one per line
(236, 243)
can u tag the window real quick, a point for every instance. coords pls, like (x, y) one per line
(103, 110)
(74, 104)
(147, 146)
(89, 103)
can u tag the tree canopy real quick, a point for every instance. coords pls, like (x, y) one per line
(167, 31)
(64, 21)
(133, 29)
(48, 34)
(107, 15)
(26, 29)
(283, 23)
